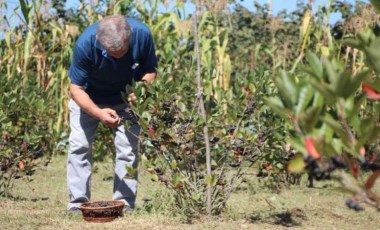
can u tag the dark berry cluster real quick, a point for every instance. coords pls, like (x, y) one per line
(5, 163)
(238, 145)
(354, 205)
(366, 165)
(182, 131)
(168, 119)
(231, 129)
(321, 170)
(313, 168)
(154, 124)
(214, 139)
(166, 105)
(104, 204)
(155, 143)
(250, 107)
(235, 164)
(131, 117)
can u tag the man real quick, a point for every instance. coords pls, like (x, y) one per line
(107, 56)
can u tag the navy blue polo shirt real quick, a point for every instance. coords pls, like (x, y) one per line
(105, 77)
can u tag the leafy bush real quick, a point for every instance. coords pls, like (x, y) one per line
(241, 133)
(26, 134)
(336, 116)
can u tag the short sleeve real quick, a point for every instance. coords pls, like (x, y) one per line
(149, 61)
(80, 66)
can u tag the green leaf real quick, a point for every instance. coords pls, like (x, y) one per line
(353, 43)
(315, 65)
(287, 89)
(25, 9)
(211, 180)
(154, 177)
(327, 132)
(131, 172)
(318, 100)
(297, 164)
(338, 129)
(309, 118)
(176, 178)
(337, 145)
(182, 107)
(332, 75)
(197, 196)
(148, 143)
(324, 90)
(357, 79)
(277, 106)
(173, 164)
(353, 112)
(306, 94)
(370, 132)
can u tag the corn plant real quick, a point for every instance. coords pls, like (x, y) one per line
(34, 84)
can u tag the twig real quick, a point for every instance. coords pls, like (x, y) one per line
(201, 105)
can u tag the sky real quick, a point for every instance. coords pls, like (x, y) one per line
(289, 6)
(277, 5)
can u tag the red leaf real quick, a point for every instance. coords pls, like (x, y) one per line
(21, 165)
(25, 146)
(355, 169)
(246, 90)
(179, 184)
(371, 92)
(7, 137)
(311, 149)
(152, 132)
(166, 136)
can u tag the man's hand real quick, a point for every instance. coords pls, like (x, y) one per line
(110, 118)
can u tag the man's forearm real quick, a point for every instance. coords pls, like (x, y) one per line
(84, 101)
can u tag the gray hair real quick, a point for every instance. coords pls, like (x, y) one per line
(113, 33)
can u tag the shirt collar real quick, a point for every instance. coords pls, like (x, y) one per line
(99, 46)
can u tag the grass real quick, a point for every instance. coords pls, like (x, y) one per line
(41, 204)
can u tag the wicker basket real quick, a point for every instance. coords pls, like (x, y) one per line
(102, 211)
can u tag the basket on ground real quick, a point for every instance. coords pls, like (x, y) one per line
(102, 211)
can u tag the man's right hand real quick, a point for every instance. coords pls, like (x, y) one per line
(107, 116)
(110, 118)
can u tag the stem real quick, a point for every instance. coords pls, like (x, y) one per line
(296, 125)
(343, 122)
(201, 105)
